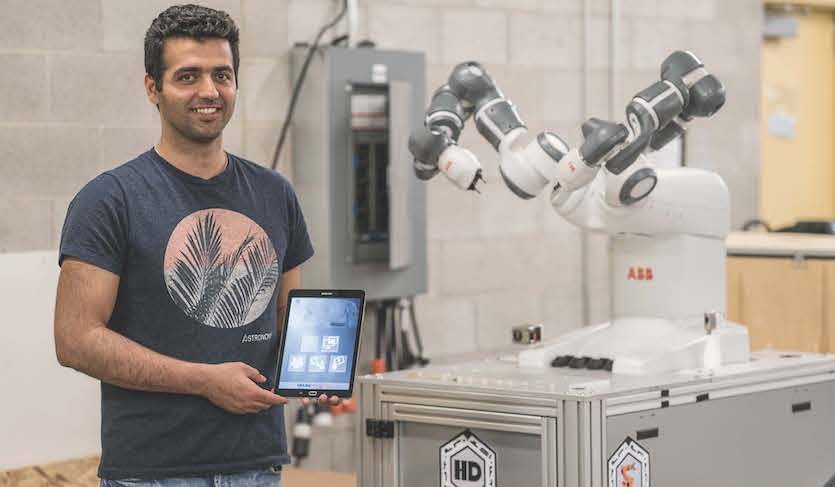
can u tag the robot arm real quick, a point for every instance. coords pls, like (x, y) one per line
(471, 90)
(655, 116)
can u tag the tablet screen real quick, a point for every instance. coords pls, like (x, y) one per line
(320, 343)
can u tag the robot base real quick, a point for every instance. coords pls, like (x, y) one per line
(647, 345)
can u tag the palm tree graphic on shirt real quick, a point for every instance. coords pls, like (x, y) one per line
(220, 268)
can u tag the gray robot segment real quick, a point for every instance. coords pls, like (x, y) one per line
(498, 120)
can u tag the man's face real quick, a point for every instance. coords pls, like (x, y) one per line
(198, 92)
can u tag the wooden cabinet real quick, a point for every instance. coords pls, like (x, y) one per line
(782, 287)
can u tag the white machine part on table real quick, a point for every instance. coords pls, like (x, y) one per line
(768, 422)
(668, 226)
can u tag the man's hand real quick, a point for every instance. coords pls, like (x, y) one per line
(233, 386)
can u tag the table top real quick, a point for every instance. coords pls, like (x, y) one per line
(802, 245)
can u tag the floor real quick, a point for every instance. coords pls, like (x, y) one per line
(82, 473)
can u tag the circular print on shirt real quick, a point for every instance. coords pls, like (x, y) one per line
(220, 268)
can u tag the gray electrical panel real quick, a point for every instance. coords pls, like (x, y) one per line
(365, 209)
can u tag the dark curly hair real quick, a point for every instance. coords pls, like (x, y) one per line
(192, 21)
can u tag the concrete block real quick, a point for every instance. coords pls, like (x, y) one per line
(601, 7)
(433, 270)
(49, 24)
(60, 204)
(597, 96)
(425, 3)
(510, 4)
(264, 28)
(562, 310)
(598, 256)
(24, 95)
(743, 10)
(689, 9)
(640, 8)
(447, 325)
(451, 212)
(124, 22)
(306, 17)
(743, 185)
(259, 146)
(563, 6)
(264, 89)
(629, 83)
(25, 224)
(600, 44)
(467, 267)
(524, 87)
(540, 40)
(503, 214)
(750, 148)
(120, 145)
(47, 161)
(233, 136)
(406, 27)
(474, 34)
(101, 89)
(719, 46)
(499, 312)
(742, 98)
(653, 40)
(709, 142)
(563, 95)
(552, 262)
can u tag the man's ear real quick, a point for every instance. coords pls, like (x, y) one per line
(151, 89)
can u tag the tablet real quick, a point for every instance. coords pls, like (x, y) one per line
(319, 343)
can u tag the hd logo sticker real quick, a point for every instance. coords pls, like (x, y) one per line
(629, 465)
(466, 461)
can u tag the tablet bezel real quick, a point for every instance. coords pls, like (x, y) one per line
(319, 293)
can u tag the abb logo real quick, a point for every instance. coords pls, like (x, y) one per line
(639, 274)
(572, 167)
(448, 165)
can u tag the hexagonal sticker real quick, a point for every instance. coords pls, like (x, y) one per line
(629, 465)
(466, 461)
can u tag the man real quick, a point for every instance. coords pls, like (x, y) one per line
(168, 263)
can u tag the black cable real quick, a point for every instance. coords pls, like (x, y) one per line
(297, 87)
(750, 224)
(421, 360)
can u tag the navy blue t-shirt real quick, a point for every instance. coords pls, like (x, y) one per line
(200, 264)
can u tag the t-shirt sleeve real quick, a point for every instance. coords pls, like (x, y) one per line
(299, 247)
(95, 229)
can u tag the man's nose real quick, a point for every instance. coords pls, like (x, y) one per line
(207, 88)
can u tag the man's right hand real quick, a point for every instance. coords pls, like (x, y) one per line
(233, 386)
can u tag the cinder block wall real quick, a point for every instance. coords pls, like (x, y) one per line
(72, 105)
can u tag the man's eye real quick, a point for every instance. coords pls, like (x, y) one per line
(187, 77)
(224, 76)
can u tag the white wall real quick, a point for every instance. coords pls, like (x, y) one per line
(47, 413)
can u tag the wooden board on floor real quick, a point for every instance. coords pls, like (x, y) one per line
(292, 477)
(82, 473)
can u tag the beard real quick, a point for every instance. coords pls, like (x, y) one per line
(191, 126)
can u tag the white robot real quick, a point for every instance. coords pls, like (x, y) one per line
(667, 226)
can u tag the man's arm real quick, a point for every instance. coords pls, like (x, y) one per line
(83, 306)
